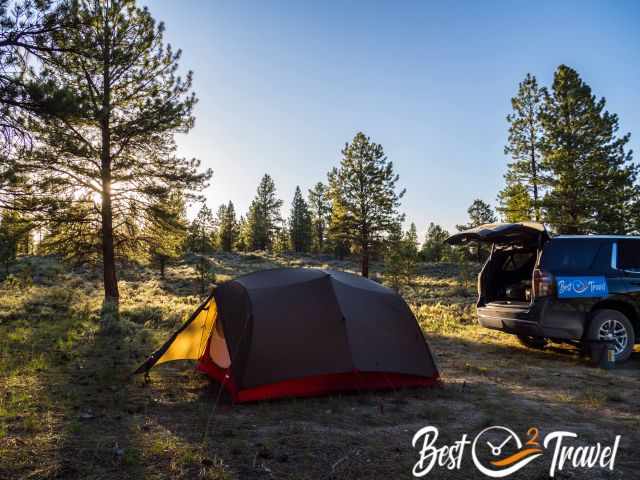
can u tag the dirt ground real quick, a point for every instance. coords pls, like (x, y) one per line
(68, 408)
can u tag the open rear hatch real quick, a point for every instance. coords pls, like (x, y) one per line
(526, 234)
(506, 280)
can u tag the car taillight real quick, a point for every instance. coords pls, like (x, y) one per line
(543, 285)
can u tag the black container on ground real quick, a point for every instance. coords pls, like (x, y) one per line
(603, 353)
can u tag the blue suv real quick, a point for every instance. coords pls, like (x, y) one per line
(566, 288)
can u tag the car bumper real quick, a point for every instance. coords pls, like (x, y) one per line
(547, 318)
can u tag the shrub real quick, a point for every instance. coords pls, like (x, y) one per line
(444, 319)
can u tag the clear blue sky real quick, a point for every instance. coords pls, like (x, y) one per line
(283, 85)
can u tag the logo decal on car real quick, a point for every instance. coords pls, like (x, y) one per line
(582, 287)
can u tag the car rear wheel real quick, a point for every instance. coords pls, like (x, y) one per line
(537, 343)
(613, 325)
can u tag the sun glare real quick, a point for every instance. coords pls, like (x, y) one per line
(97, 198)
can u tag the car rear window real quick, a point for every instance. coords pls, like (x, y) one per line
(571, 254)
(629, 254)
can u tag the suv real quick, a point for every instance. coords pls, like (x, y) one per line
(564, 288)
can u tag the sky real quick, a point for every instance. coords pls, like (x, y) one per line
(283, 85)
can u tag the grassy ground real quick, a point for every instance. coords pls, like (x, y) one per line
(69, 410)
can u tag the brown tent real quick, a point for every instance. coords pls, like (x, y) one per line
(301, 332)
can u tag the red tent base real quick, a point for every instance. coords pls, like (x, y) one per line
(315, 385)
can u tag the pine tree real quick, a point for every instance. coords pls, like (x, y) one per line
(200, 236)
(524, 146)
(227, 227)
(112, 154)
(14, 232)
(255, 230)
(393, 257)
(336, 241)
(411, 239)
(364, 187)
(592, 184)
(166, 229)
(264, 215)
(230, 232)
(300, 223)
(201, 232)
(434, 249)
(401, 256)
(281, 242)
(243, 235)
(221, 213)
(320, 208)
(480, 213)
(516, 204)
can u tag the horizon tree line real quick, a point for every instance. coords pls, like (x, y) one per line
(356, 212)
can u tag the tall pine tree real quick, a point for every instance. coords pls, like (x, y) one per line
(263, 219)
(320, 209)
(364, 188)
(227, 227)
(201, 232)
(113, 155)
(300, 223)
(592, 182)
(411, 239)
(243, 241)
(525, 174)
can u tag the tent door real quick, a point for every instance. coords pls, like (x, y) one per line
(190, 341)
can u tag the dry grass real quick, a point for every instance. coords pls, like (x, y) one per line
(69, 410)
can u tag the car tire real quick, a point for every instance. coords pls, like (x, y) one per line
(536, 343)
(605, 320)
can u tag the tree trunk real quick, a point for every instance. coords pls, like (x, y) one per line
(108, 254)
(365, 262)
(162, 262)
(534, 181)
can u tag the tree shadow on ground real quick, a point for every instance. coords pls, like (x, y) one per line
(67, 400)
(100, 436)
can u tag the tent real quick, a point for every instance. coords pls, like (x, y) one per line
(302, 332)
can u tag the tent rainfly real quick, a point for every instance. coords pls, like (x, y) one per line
(302, 332)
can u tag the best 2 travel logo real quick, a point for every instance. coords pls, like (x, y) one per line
(498, 452)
